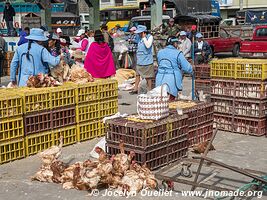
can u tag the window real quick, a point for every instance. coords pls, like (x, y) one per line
(223, 34)
(105, 1)
(261, 32)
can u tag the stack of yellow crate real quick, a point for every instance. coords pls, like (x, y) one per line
(239, 94)
(108, 105)
(11, 127)
(33, 119)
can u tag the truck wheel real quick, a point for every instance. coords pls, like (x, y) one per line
(236, 50)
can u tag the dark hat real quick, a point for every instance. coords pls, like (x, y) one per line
(99, 36)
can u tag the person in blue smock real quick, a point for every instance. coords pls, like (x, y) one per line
(144, 56)
(22, 35)
(31, 58)
(171, 65)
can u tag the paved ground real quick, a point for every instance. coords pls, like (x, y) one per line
(238, 150)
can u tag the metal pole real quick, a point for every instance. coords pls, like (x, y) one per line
(241, 4)
(156, 14)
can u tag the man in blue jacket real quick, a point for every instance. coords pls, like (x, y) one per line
(202, 50)
(172, 64)
(31, 58)
(144, 56)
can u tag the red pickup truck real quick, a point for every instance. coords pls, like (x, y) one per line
(257, 46)
(225, 43)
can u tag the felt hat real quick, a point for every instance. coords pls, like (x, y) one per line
(140, 29)
(37, 34)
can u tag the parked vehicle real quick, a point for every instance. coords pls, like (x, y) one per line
(256, 47)
(84, 18)
(232, 22)
(225, 43)
(146, 20)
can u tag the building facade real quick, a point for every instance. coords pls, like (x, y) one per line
(113, 3)
(229, 7)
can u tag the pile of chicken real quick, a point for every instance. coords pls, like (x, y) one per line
(119, 172)
(41, 80)
(60, 74)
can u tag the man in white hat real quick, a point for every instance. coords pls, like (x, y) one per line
(59, 32)
(202, 50)
(32, 58)
(185, 45)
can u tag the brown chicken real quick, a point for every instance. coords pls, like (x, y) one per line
(58, 168)
(201, 147)
(122, 161)
(49, 155)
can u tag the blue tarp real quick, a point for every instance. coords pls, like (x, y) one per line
(256, 16)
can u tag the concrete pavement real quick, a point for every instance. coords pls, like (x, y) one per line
(234, 149)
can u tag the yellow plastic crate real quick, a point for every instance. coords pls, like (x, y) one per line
(224, 68)
(108, 107)
(87, 112)
(87, 130)
(108, 88)
(101, 129)
(69, 134)
(251, 70)
(11, 128)
(63, 96)
(10, 104)
(12, 150)
(38, 142)
(248, 69)
(86, 93)
(34, 99)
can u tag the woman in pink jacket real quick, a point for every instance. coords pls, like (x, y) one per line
(99, 61)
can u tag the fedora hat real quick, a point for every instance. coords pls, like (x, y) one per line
(140, 29)
(37, 34)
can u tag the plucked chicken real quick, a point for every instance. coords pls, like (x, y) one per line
(80, 75)
(61, 72)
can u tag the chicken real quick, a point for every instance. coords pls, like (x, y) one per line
(58, 168)
(61, 72)
(34, 81)
(48, 156)
(201, 147)
(41, 80)
(150, 181)
(43, 175)
(122, 161)
(80, 75)
(131, 182)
